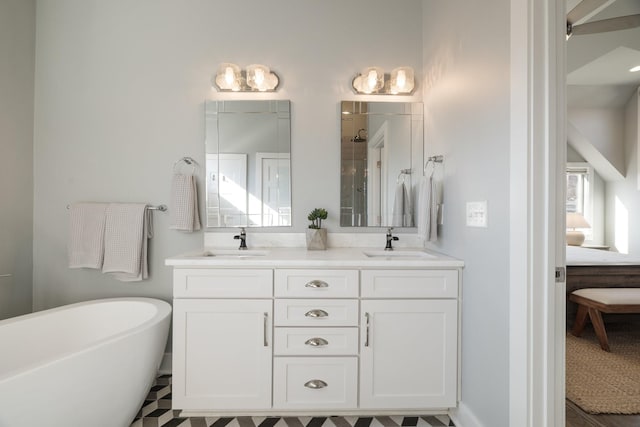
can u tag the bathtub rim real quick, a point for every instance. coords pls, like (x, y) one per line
(163, 312)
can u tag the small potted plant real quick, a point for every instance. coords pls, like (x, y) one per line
(316, 235)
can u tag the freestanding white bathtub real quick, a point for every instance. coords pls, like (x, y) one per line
(84, 364)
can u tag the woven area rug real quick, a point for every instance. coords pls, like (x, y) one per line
(603, 382)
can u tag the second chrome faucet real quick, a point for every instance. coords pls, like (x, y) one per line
(390, 239)
(243, 239)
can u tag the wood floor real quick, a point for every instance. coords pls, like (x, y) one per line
(576, 417)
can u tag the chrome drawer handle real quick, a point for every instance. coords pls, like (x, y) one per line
(265, 327)
(316, 342)
(317, 284)
(316, 313)
(367, 316)
(315, 384)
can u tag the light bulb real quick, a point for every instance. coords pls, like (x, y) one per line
(229, 76)
(402, 79)
(372, 79)
(259, 76)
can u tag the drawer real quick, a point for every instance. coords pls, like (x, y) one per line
(315, 341)
(316, 283)
(409, 283)
(316, 312)
(222, 283)
(315, 382)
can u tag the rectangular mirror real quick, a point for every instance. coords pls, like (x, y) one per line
(248, 171)
(381, 163)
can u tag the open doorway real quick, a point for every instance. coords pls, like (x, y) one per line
(603, 193)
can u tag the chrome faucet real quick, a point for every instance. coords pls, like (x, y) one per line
(390, 238)
(243, 239)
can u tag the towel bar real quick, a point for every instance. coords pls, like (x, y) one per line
(186, 160)
(161, 208)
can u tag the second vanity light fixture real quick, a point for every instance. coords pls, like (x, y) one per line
(256, 77)
(373, 80)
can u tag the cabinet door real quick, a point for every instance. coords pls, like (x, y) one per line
(222, 354)
(408, 354)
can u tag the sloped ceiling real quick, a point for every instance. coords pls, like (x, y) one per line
(599, 85)
(598, 64)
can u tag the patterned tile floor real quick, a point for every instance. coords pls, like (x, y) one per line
(156, 412)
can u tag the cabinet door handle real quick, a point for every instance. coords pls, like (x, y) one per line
(315, 384)
(316, 313)
(367, 317)
(317, 284)
(316, 342)
(265, 328)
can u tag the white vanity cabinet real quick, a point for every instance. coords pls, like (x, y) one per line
(409, 341)
(316, 335)
(324, 337)
(222, 346)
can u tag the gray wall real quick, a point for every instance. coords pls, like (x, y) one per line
(17, 50)
(120, 91)
(120, 88)
(466, 96)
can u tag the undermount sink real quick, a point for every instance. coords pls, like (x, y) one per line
(235, 253)
(398, 254)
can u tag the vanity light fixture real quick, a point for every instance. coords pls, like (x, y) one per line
(230, 77)
(635, 69)
(373, 80)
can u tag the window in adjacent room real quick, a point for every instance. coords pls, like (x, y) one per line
(580, 179)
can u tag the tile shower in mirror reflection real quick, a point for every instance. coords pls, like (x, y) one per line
(381, 163)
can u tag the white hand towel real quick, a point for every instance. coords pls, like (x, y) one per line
(401, 215)
(428, 210)
(407, 219)
(86, 235)
(127, 230)
(184, 214)
(397, 213)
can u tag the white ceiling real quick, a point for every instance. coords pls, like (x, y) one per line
(598, 64)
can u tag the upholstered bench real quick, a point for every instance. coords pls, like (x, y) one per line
(595, 301)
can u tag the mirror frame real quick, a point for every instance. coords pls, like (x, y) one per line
(214, 111)
(415, 167)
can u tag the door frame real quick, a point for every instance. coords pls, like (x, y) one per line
(537, 157)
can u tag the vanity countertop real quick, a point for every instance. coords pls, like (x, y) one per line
(301, 257)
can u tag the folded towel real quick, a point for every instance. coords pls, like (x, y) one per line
(407, 219)
(127, 230)
(401, 215)
(428, 210)
(86, 235)
(397, 212)
(183, 214)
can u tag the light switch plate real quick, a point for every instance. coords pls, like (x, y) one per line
(477, 215)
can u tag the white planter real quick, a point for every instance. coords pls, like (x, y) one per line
(316, 239)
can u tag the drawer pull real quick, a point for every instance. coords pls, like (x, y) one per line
(317, 284)
(316, 342)
(316, 313)
(315, 384)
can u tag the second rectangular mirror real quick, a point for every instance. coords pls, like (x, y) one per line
(381, 163)
(248, 146)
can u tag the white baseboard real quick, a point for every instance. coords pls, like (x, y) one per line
(165, 365)
(462, 416)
